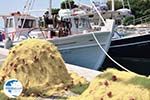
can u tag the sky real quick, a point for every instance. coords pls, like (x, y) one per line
(8, 6)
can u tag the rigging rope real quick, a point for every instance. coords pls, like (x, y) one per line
(25, 6)
(29, 6)
(32, 4)
(100, 46)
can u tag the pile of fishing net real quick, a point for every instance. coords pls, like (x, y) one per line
(38, 65)
(117, 85)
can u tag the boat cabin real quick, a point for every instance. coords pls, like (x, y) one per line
(18, 24)
(78, 22)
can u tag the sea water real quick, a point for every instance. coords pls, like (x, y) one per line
(137, 65)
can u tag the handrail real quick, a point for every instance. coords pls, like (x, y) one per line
(139, 19)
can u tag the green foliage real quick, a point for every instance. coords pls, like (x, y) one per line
(118, 4)
(147, 12)
(80, 88)
(107, 76)
(140, 7)
(128, 20)
(68, 4)
(142, 81)
(55, 11)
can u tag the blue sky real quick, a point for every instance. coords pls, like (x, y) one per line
(7, 6)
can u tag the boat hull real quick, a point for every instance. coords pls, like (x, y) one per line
(133, 53)
(82, 50)
(136, 47)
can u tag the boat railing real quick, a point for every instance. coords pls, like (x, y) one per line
(132, 30)
(140, 20)
(48, 32)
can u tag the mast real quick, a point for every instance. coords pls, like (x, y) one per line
(123, 4)
(129, 4)
(50, 8)
(113, 5)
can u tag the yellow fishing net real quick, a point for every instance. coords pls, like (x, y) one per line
(117, 85)
(38, 65)
(42, 72)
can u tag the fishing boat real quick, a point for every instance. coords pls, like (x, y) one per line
(130, 44)
(131, 49)
(79, 47)
(135, 45)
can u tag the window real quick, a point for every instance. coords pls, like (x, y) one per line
(9, 23)
(76, 21)
(27, 23)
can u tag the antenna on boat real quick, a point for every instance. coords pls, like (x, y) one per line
(113, 5)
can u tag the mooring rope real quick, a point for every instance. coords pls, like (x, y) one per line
(108, 54)
(100, 46)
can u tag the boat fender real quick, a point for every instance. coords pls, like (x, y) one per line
(1, 38)
(8, 43)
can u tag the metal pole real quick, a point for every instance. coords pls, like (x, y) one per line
(50, 8)
(113, 5)
(123, 4)
(129, 4)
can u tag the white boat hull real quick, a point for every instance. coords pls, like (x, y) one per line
(82, 50)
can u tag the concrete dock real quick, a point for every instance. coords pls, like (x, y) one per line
(85, 72)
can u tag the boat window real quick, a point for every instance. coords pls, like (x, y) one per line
(28, 23)
(83, 23)
(9, 23)
(76, 21)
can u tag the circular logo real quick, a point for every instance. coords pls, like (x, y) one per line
(12, 88)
